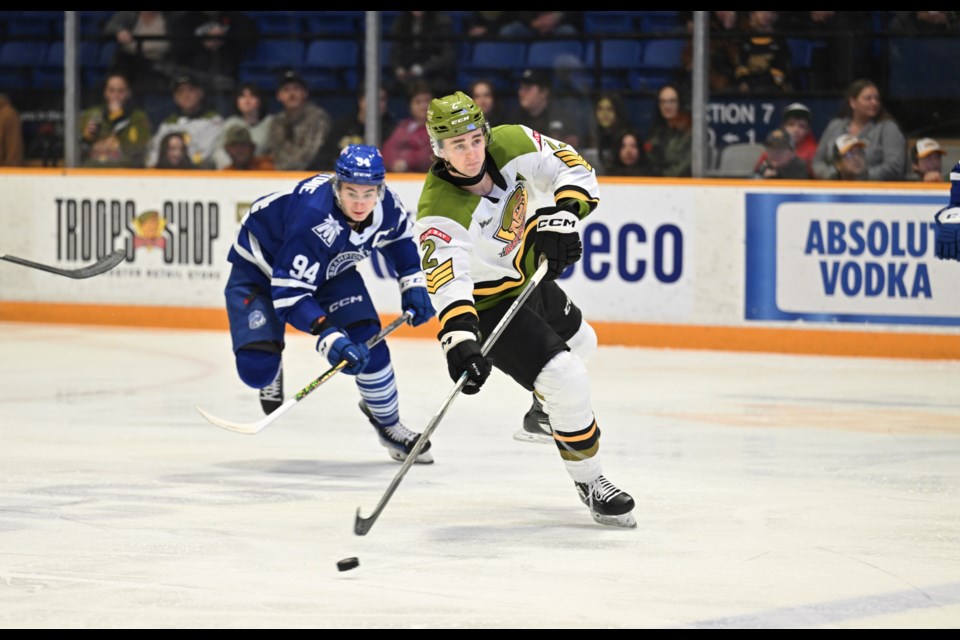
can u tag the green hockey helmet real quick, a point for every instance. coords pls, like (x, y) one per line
(452, 116)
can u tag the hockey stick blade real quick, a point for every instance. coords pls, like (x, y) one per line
(102, 265)
(361, 525)
(251, 428)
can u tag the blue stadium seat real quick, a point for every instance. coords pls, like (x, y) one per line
(609, 22)
(106, 54)
(504, 56)
(22, 53)
(31, 27)
(88, 54)
(335, 22)
(918, 68)
(265, 79)
(661, 21)
(276, 54)
(331, 54)
(277, 24)
(553, 53)
(663, 54)
(617, 58)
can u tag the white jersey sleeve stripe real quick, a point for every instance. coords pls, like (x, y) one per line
(282, 303)
(291, 283)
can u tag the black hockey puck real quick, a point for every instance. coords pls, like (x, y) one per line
(348, 563)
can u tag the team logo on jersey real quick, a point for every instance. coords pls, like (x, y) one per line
(512, 219)
(433, 232)
(256, 319)
(536, 138)
(343, 262)
(328, 230)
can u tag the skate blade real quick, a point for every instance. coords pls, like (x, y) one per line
(400, 456)
(625, 520)
(526, 436)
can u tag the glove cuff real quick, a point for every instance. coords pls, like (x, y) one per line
(950, 215)
(452, 338)
(327, 340)
(574, 206)
(413, 280)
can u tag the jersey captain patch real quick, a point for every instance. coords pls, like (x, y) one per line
(328, 230)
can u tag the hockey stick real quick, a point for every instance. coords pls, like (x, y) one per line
(102, 265)
(263, 423)
(362, 525)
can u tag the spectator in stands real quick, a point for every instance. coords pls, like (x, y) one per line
(862, 115)
(796, 120)
(538, 111)
(629, 158)
(610, 120)
(927, 161)
(912, 23)
(298, 132)
(239, 145)
(11, 134)
(201, 126)
(781, 160)
(211, 44)
(173, 152)
(483, 24)
(668, 146)
(484, 93)
(530, 24)
(114, 133)
(763, 58)
(849, 158)
(423, 48)
(408, 147)
(250, 111)
(846, 34)
(146, 62)
(722, 48)
(350, 128)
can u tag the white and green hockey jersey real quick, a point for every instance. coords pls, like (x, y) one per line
(476, 250)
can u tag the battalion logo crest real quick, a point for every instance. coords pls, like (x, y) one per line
(328, 231)
(256, 319)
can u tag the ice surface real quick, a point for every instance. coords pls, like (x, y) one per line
(772, 491)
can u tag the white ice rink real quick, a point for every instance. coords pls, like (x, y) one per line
(772, 491)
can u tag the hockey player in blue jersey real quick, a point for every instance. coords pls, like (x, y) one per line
(294, 262)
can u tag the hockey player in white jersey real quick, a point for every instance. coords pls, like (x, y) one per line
(294, 262)
(494, 203)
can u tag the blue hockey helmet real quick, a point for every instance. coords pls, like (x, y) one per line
(360, 164)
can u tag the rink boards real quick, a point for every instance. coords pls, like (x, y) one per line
(795, 267)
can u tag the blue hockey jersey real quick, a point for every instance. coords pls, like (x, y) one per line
(299, 239)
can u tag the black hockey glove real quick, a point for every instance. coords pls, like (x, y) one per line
(460, 345)
(557, 239)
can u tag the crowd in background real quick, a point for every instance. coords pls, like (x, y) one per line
(862, 142)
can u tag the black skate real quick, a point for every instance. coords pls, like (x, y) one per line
(398, 440)
(271, 396)
(536, 425)
(608, 505)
